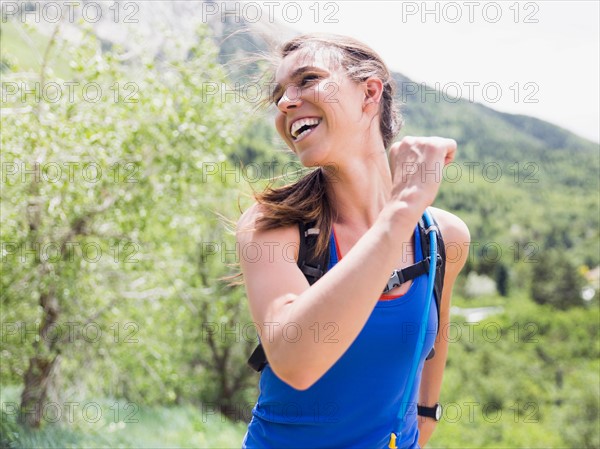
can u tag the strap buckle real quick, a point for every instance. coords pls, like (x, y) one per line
(396, 280)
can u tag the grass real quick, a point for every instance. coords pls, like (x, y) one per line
(121, 425)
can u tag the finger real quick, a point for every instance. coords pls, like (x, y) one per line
(451, 147)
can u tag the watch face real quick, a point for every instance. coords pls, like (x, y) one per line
(438, 412)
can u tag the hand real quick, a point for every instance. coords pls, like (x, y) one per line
(416, 164)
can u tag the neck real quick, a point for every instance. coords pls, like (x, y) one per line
(360, 188)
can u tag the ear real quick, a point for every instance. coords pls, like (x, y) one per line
(373, 90)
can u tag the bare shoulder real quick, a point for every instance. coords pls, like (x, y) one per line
(246, 224)
(453, 228)
(456, 237)
(247, 232)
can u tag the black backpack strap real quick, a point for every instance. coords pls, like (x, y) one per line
(413, 271)
(440, 265)
(312, 267)
(258, 359)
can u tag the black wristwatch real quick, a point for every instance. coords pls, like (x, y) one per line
(434, 412)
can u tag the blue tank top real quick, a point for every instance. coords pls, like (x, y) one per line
(356, 402)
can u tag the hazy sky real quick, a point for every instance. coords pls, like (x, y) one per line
(536, 58)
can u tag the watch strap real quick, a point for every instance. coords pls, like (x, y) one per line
(429, 412)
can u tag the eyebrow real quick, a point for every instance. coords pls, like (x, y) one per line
(299, 71)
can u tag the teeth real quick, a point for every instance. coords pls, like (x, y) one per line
(302, 122)
(302, 134)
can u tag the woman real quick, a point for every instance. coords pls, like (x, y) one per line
(338, 351)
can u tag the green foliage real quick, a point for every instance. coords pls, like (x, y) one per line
(142, 201)
(556, 281)
(23, 47)
(525, 378)
(521, 184)
(171, 157)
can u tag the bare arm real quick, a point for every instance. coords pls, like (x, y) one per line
(279, 295)
(456, 234)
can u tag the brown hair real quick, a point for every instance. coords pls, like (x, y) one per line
(307, 199)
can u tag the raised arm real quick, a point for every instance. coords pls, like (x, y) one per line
(281, 299)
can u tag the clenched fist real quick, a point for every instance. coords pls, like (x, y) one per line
(416, 164)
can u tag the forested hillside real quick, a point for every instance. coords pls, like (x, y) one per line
(114, 251)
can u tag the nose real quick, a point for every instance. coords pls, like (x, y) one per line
(290, 99)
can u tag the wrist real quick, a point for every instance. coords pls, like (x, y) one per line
(400, 212)
(435, 412)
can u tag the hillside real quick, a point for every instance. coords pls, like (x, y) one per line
(486, 135)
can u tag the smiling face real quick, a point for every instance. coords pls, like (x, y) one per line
(319, 109)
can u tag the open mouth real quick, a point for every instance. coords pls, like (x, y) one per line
(303, 127)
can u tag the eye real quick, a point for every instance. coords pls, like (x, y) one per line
(308, 78)
(305, 80)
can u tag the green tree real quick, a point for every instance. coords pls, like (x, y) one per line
(556, 280)
(103, 230)
(502, 279)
